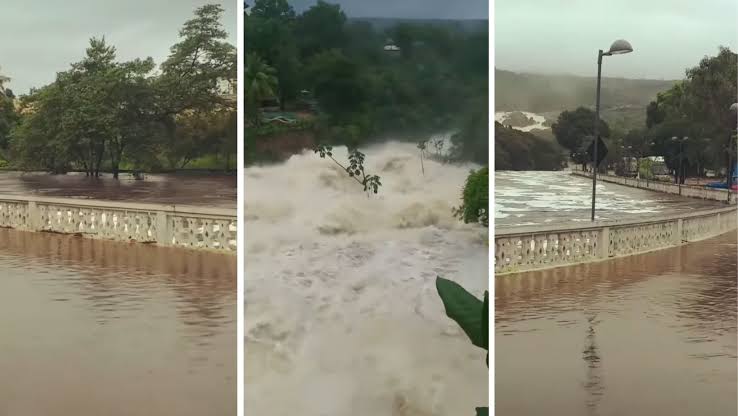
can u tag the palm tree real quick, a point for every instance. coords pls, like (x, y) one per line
(261, 83)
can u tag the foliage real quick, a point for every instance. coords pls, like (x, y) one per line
(470, 313)
(338, 69)
(8, 119)
(697, 108)
(519, 150)
(261, 83)
(574, 130)
(475, 198)
(102, 114)
(355, 168)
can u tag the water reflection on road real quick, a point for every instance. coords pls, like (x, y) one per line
(653, 334)
(91, 327)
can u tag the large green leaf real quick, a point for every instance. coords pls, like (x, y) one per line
(465, 309)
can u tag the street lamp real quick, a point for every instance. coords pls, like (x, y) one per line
(618, 47)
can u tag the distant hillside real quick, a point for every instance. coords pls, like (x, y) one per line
(541, 93)
(384, 23)
(623, 101)
(519, 150)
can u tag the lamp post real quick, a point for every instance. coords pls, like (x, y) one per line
(728, 181)
(681, 156)
(618, 47)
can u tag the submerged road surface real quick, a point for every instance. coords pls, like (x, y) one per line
(92, 327)
(653, 334)
(534, 197)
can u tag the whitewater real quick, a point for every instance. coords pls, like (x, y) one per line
(342, 315)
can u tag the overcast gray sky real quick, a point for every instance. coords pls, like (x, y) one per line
(40, 38)
(406, 9)
(563, 36)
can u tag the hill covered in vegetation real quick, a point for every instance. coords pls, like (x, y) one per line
(540, 93)
(519, 150)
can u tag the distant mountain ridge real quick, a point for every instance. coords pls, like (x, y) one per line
(541, 93)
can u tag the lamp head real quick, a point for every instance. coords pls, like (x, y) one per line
(620, 47)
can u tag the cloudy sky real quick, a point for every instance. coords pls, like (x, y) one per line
(40, 38)
(418, 9)
(563, 36)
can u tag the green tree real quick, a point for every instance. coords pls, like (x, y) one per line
(196, 65)
(337, 83)
(273, 9)
(261, 83)
(321, 28)
(574, 129)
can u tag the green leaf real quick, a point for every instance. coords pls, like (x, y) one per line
(465, 309)
(482, 411)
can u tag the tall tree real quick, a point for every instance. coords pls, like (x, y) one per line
(321, 28)
(196, 65)
(273, 9)
(573, 129)
(261, 84)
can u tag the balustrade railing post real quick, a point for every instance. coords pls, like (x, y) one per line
(680, 231)
(163, 232)
(34, 219)
(603, 243)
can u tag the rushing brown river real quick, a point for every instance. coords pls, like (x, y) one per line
(653, 334)
(171, 189)
(536, 197)
(90, 327)
(342, 315)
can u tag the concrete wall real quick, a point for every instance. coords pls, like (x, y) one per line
(181, 226)
(689, 191)
(540, 247)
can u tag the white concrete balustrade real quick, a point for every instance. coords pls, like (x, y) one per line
(181, 226)
(690, 191)
(540, 247)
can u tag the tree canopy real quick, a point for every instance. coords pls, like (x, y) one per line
(103, 113)
(406, 80)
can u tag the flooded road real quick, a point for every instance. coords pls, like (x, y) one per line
(535, 197)
(171, 189)
(92, 327)
(653, 334)
(342, 315)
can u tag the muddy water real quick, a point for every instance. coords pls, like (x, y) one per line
(653, 334)
(342, 317)
(93, 327)
(171, 189)
(528, 198)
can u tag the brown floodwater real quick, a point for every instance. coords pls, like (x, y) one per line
(171, 189)
(653, 334)
(91, 327)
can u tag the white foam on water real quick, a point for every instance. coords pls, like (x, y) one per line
(342, 315)
(538, 120)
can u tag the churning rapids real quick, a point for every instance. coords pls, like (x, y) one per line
(342, 315)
